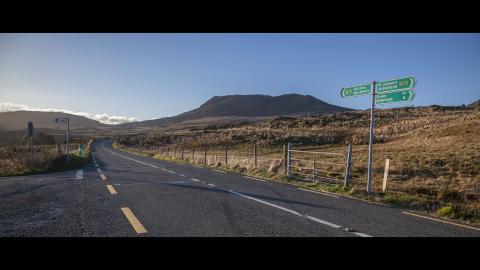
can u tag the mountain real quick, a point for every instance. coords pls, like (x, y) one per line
(18, 120)
(475, 104)
(240, 107)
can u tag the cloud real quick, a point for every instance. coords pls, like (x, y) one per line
(101, 117)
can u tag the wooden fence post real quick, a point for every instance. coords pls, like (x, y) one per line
(226, 159)
(313, 166)
(205, 157)
(255, 155)
(348, 165)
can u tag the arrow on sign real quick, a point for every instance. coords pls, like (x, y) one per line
(396, 85)
(390, 97)
(356, 90)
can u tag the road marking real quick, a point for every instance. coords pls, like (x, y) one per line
(171, 171)
(181, 175)
(318, 192)
(99, 170)
(443, 221)
(324, 222)
(79, 174)
(163, 169)
(96, 165)
(129, 158)
(196, 180)
(111, 189)
(361, 234)
(211, 185)
(103, 176)
(136, 224)
(218, 171)
(197, 166)
(254, 178)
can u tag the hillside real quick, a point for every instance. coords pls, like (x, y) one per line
(223, 109)
(18, 120)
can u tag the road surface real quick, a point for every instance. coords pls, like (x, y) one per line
(121, 194)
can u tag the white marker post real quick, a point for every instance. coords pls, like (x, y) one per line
(385, 174)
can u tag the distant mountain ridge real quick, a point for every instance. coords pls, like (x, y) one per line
(249, 106)
(17, 120)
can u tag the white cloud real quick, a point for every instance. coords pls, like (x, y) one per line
(101, 117)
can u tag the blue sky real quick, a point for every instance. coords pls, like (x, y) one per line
(156, 75)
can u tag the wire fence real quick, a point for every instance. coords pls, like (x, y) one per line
(413, 172)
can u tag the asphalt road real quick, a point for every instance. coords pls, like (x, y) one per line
(122, 194)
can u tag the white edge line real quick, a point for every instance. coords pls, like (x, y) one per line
(362, 234)
(443, 221)
(129, 158)
(255, 178)
(211, 185)
(218, 171)
(324, 222)
(318, 192)
(195, 179)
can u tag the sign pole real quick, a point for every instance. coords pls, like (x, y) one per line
(30, 136)
(68, 140)
(370, 147)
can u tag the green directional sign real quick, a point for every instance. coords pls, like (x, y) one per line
(357, 90)
(390, 97)
(396, 85)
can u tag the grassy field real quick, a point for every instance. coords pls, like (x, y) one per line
(434, 153)
(15, 160)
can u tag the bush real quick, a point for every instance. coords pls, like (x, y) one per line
(446, 211)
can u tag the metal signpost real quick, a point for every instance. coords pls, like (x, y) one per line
(30, 136)
(65, 120)
(398, 90)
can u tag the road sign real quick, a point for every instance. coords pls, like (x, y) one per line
(80, 150)
(390, 97)
(382, 92)
(357, 90)
(61, 120)
(396, 85)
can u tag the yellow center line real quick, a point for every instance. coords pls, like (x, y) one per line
(136, 224)
(111, 189)
(443, 221)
